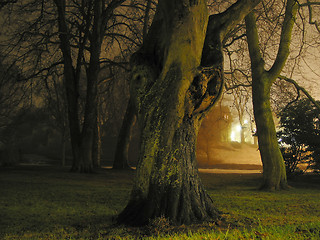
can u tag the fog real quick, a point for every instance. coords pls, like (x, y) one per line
(219, 143)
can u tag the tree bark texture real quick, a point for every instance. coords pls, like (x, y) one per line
(274, 172)
(176, 79)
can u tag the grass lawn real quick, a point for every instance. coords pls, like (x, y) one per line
(42, 202)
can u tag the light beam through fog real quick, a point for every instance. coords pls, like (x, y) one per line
(219, 142)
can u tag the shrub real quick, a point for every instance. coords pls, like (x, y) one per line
(299, 135)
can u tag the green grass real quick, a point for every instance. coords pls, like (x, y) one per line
(51, 203)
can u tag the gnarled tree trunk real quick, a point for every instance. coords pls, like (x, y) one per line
(167, 182)
(173, 188)
(177, 77)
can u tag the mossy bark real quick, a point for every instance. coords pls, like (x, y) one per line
(173, 188)
(167, 183)
(177, 76)
(274, 172)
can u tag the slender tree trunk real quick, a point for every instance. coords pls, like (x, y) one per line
(85, 163)
(89, 124)
(121, 160)
(96, 148)
(274, 172)
(71, 84)
(63, 147)
(74, 130)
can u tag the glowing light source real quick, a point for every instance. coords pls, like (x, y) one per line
(233, 136)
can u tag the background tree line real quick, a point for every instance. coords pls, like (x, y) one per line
(54, 45)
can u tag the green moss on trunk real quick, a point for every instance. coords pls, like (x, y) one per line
(173, 87)
(274, 171)
(174, 190)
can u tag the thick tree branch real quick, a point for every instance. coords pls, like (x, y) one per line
(219, 25)
(253, 44)
(234, 15)
(285, 39)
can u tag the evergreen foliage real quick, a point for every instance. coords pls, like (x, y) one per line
(299, 136)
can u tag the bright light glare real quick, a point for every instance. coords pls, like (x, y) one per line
(245, 121)
(238, 127)
(233, 136)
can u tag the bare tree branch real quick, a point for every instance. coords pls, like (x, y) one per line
(299, 88)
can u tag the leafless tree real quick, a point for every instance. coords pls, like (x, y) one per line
(83, 37)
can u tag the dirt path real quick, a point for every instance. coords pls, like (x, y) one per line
(238, 171)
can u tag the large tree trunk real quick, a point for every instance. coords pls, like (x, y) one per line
(124, 137)
(173, 188)
(177, 77)
(167, 182)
